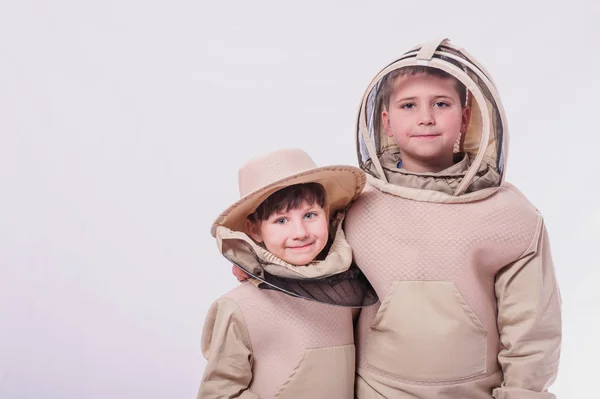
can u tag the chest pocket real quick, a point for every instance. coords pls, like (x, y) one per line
(425, 331)
(324, 373)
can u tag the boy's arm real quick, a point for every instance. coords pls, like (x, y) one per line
(226, 346)
(529, 322)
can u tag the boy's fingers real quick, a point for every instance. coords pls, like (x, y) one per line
(239, 273)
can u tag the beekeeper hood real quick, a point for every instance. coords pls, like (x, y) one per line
(484, 145)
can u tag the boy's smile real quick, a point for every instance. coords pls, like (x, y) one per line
(301, 247)
(426, 118)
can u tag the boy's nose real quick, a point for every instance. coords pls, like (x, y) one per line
(426, 117)
(300, 230)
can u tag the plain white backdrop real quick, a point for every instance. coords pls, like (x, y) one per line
(123, 123)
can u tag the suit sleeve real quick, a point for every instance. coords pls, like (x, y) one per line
(529, 322)
(226, 347)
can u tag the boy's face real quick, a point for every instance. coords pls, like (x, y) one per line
(296, 236)
(425, 117)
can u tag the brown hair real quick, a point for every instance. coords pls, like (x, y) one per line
(288, 198)
(389, 81)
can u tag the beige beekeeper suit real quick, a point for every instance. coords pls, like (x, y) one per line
(460, 259)
(264, 343)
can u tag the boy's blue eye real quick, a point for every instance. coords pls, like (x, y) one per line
(310, 215)
(280, 220)
(441, 104)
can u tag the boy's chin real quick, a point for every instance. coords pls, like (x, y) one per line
(300, 263)
(430, 155)
(300, 260)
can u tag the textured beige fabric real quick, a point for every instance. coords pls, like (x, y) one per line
(265, 344)
(443, 272)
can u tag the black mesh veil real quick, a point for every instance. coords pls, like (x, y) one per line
(348, 289)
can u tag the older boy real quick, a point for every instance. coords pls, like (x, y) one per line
(460, 259)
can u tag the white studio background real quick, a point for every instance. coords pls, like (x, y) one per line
(123, 123)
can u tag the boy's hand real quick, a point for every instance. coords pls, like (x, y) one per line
(239, 273)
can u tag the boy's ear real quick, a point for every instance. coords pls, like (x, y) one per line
(466, 117)
(253, 229)
(385, 121)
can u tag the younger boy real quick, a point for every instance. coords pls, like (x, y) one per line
(264, 339)
(470, 306)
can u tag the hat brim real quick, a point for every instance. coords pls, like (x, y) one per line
(342, 184)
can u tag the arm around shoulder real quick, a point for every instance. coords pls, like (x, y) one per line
(529, 322)
(226, 346)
